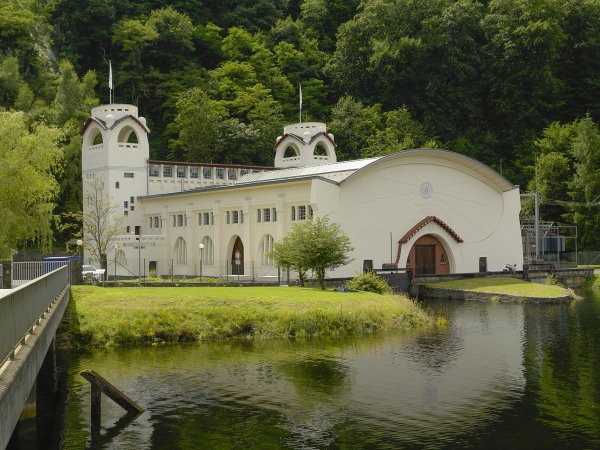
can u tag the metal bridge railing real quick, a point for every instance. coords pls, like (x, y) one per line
(23, 272)
(20, 308)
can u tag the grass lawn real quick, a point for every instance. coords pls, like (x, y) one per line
(133, 315)
(502, 285)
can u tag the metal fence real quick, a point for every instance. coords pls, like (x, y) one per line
(21, 307)
(23, 272)
(246, 271)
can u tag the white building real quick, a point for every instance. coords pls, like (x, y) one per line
(432, 211)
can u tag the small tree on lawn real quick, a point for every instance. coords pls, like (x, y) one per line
(101, 225)
(317, 245)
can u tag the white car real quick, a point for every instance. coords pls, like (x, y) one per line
(90, 272)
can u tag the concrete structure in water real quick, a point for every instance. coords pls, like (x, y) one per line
(433, 211)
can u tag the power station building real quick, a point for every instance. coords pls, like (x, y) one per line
(430, 210)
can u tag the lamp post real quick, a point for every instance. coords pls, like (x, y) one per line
(237, 264)
(116, 250)
(139, 239)
(79, 276)
(80, 249)
(201, 247)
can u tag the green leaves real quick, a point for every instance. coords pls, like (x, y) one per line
(313, 245)
(28, 189)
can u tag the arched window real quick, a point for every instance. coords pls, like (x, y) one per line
(128, 136)
(265, 249)
(121, 258)
(208, 257)
(96, 137)
(291, 151)
(320, 150)
(180, 251)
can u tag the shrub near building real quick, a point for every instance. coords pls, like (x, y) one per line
(369, 282)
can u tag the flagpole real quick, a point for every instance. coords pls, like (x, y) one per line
(300, 86)
(110, 83)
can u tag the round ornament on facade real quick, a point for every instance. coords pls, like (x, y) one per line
(426, 190)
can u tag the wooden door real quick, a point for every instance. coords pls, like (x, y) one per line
(237, 258)
(424, 259)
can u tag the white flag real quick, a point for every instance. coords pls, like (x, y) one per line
(110, 85)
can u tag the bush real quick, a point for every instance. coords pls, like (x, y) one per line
(369, 282)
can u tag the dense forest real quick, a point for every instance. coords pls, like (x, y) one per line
(513, 83)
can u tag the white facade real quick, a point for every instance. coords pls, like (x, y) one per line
(385, 205)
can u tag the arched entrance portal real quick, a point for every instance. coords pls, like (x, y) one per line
(428, 256)
(237, 258)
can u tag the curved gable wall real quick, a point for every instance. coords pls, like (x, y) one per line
(442, 157)
(394, 193)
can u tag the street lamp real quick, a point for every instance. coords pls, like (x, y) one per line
(237, 264)
(201, 247)
(139, 239)
(80, 249)
(116, 250)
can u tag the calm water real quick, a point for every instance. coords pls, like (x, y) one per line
(500, 376)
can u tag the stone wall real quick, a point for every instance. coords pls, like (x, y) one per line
(454, 294)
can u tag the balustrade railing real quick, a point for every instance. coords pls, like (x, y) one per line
(21, 308)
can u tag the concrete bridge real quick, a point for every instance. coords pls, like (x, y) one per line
(29, 317)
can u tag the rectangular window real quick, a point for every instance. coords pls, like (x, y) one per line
(231, 174)
(132, 208)
(274, 214)
(151, 222)
(156, 222)
(168, 171)
(206, 218)
(267, 214)
(293, 213)
(302, 212)
(244, 172)
(220, 174)
(174, 221)
(128, 174)
(125, 204)
(193, 172)
(207, 173)
(310, 212)
(228, 217)
(154, 170)
(235, 217)
(179, 220)
(181, 171)
(125, 213)
(131, 200)
(258, 215)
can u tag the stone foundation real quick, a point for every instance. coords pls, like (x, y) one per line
(454, 294)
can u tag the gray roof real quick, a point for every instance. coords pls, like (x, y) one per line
(336, 171)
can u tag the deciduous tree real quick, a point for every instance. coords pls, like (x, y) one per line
(316, 245)
(28, 162)
(100, 223)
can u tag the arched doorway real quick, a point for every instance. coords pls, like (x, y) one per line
(428, 256)
(237, 258)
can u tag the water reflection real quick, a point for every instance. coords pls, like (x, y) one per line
(500, 376)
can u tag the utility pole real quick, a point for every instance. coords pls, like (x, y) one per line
(536, 200)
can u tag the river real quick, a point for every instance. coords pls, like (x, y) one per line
(503, 376)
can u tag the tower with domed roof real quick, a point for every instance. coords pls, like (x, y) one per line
(304, 144)
(115, 149)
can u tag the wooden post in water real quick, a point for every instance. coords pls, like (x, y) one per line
(101, 386)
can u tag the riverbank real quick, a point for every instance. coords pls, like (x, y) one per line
(100, 317)
(497, 289)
